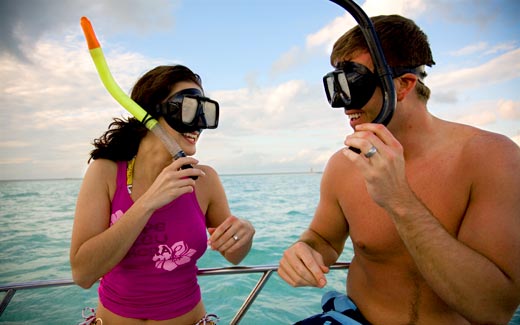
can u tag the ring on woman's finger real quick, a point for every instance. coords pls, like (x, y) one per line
(235, 237)
(372, 151)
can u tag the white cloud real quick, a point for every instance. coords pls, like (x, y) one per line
(408, 8)
(499, 69)
(326, 36)
(294, 57)
(293, 104)
(56, 98)
(516, 139)
(478, 119)
(483, 48)
(486, 114)
(321, 41)
(63, 83)
(283, 96)
(286, 127)
(470, 49)
(24, 23)
(509, 109)
(53, 107)
(14, 161)
(14, 144)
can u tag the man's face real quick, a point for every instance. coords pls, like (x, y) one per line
(371, 109)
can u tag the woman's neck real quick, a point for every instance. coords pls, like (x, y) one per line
(151, 157)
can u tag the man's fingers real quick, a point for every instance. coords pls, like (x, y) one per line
(325, 269)
(303, 266)
(314, 264)
(294, 278)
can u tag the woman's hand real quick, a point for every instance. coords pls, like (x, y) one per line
(171, 183)
(233, 238)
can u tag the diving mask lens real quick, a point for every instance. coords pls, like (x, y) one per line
(343, 83)
(199, 111)
(350, 86)
(188, 111)
(336, 88)
(210, 110)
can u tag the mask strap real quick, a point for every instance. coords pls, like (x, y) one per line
(418, 71)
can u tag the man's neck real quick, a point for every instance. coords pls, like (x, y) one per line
(414, 128)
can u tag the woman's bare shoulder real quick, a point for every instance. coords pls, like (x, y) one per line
(102, 168)
(209, 181)
(101, 174)
(208, 170)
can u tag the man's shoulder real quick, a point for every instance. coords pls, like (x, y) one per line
(478, 141)
(473, 139)
(481, 152)
(338, 160)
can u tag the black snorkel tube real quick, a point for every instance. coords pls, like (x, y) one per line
(381, 68)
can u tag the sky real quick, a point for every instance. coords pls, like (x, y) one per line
(262, 60)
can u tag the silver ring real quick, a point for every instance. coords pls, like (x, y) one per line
(235, 237)
(371, 152)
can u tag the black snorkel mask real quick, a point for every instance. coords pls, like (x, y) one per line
(352, 84)
(189, 111)
(340, 96)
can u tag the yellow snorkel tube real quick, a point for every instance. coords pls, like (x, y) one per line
(106, 77)
(122, 98)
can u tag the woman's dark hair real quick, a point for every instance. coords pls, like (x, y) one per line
(121, 141)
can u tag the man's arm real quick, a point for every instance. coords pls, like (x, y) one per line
(306, 262)
(477, 272)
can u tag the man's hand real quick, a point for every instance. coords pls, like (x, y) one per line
(301, 265)
(381, 162)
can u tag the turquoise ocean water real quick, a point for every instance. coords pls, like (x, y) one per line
(35, 228)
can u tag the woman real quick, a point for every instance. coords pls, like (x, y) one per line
(141, 217)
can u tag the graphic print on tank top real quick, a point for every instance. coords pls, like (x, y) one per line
(166, 258)
(169, 258)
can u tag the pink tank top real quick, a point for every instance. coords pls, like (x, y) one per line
(157, 279)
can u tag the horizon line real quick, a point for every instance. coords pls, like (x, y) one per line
(223, 174)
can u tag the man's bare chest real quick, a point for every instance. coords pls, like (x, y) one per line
(441, 188)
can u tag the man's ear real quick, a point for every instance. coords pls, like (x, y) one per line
(404, 85)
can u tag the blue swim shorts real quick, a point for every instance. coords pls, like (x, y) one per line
(337, 309)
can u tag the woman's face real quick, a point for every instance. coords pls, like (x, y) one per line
(187, 141)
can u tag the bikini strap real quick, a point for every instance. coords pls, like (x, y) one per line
(208, 319)
(130, 175)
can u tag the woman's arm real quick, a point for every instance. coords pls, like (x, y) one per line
(231, 236)
(95, 247)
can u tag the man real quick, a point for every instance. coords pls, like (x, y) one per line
(432, 207)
